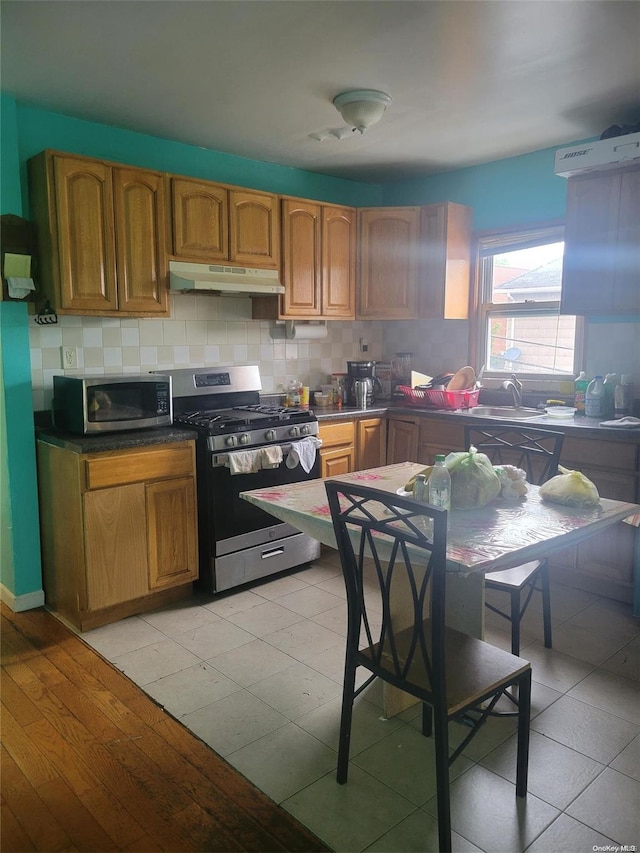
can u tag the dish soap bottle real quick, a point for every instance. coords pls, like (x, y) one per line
(610, 381)
(581, 385)
(594, 398)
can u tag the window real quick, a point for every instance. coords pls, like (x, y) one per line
(520, 328)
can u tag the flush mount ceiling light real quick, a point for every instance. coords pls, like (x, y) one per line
(362, 108)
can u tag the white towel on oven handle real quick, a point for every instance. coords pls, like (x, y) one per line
(245, 461)
(271, 456)
(303, 452)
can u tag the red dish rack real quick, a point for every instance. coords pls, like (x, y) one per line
(440, 399)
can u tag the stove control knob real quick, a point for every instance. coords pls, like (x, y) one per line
(270, 435)
(294, 431)
(230, 441)
(244, 438)
(305, 430)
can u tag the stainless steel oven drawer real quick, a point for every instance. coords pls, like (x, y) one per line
(263, 560)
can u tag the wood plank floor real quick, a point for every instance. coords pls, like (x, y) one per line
(90, 763)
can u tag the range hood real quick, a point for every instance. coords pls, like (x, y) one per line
(222, 280)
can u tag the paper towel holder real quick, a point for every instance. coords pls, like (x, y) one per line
(289, 330)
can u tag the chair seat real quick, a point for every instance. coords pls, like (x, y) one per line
(514, 578)
(474, 668)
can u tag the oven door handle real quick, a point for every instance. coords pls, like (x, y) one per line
(219, 460)
(273, 552)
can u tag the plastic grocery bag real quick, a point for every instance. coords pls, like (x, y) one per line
(473, 480)
(570, 488)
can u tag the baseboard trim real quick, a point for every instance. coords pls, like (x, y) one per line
(19, 603)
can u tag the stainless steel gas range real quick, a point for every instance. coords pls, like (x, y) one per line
(238, 542)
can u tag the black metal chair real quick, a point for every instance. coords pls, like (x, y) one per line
(537, 452)
(402, 542)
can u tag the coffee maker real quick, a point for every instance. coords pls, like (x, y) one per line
(365, 371)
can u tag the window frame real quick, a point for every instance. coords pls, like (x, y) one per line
(505, 239)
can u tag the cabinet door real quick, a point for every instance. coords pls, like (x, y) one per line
(403, 441)
(254, 229)
(141, 247)
(338, 460)
(338, 262)
(86, 242)
(171, 532)
(388, 263)
(445, 261)
(301, 268)
(200, 220)
(601, 271)
(115, 536)
(371, 443)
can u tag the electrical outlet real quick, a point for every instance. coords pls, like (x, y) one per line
(364, 345)
(69, 357)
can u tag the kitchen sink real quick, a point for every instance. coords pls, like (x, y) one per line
(506, 412)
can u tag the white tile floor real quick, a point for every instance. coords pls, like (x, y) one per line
(257, 675)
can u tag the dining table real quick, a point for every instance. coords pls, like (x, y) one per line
(500, 535)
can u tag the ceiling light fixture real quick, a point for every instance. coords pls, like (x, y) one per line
(362, 108)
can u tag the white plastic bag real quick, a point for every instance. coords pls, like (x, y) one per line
(570, 488)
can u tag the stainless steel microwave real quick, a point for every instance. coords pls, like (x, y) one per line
(96, 404)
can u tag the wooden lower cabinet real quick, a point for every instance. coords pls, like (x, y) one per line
(352, 445)
(402, 443)
(371, 443)
(118, 530)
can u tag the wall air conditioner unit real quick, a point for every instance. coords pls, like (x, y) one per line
(222, 280)
(598, 156)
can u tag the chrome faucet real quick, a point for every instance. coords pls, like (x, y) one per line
(515, 386)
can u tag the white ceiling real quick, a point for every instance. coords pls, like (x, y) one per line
(471, 80)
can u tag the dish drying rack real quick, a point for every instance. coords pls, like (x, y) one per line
(440, 399)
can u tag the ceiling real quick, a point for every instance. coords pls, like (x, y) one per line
(471, 80)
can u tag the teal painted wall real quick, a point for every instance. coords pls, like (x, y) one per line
(20, 568)
(516, 191)
(38, 129)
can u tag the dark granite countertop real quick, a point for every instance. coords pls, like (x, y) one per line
(114, 440)
(580, 426)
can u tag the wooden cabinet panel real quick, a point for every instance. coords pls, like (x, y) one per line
(389, 247)
(601, 271)
(402, 443)
(301, 266)
(132, 466)
(85, 235)
(171, 532)
(336, 433)
(371, 443)
(254, 229)
(339, 460)
(115, 545)
(445, 261)
(338, 262)
(200, 220)
(140, 201)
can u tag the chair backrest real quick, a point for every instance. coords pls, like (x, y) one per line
(393, 546)
(534, 450)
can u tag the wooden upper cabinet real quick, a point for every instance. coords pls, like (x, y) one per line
(301, 269)
(200, 220)
(601, 270)
(217, 223)
(85, 234)
(140, 201)
(445, 261)
(389, 243)
(338, 262)
(102, 236)
(254, 229)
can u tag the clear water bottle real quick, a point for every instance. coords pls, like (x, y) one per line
(439, 484)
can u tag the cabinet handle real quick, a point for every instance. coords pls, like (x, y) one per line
(275, 552)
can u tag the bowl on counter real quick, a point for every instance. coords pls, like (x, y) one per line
(322, 400)
(561, 412)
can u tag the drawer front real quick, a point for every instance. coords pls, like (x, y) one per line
(601, 454)
(334, 434)
(135, 466)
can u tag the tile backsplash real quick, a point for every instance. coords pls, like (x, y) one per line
(208, 330)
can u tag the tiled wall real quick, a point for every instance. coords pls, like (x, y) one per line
(209, 330)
